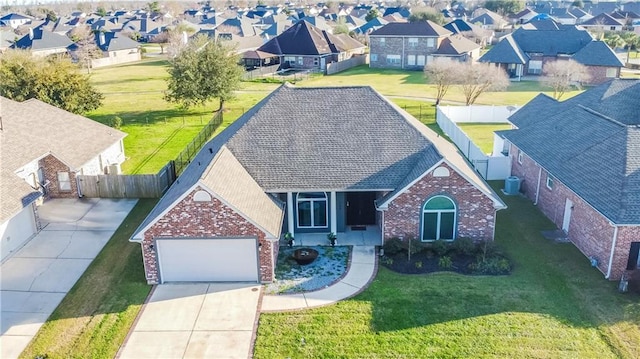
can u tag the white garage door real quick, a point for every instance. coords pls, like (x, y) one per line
(208, 260)
(16, 231)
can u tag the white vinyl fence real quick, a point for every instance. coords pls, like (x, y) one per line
(491, 167)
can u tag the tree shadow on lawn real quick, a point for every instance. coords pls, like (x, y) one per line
(551, 279)
(144, 118)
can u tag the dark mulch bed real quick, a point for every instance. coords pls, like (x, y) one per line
(425, 262)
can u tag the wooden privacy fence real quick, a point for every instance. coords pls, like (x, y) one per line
(335, 67)
(127, 186)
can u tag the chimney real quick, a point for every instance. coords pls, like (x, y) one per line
(30, 33)
(185, 37)
(101, 38)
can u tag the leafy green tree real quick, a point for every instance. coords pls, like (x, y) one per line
(612, 39)
(631, 42)
(578, 4)
(372, 14)
(55, 81)
(101, 11)
(505, 7)
(203, 70)
(434, 16)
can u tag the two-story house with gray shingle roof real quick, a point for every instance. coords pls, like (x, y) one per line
(42, 149)
(304, 161)
(528, 49)
(580, 163)
(412, 45)
(44, 43)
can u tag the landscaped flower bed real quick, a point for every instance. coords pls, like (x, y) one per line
(462, 256)
(291, 277)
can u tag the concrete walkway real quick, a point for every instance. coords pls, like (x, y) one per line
(36, 278)
(361, 271)
(195, 320)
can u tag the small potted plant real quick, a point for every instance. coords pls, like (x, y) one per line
(288, 237)
(332, 239)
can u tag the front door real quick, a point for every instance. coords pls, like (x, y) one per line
(568, 208)
(361, 209)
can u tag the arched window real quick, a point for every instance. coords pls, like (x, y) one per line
(312, 210)
(438, 219)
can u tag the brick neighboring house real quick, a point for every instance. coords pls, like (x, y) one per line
(42, 150)
(412, 45)
(295, 164)
(304, 46)
(580, 163)
(528, 49)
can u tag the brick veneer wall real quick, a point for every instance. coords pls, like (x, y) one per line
(394, 46)
(588, 230)
(475, 216)
(190, 219)
(52, 166)
(599, 74)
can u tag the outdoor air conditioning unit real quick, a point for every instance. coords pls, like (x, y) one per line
(512, 185)
(114, 169)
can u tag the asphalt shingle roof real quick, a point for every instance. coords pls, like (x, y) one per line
(505, 52)
(565, 40)
(417, 28)
(456, 45)
(43, 40)
(591, 143)
(597, 53)
(300, 39)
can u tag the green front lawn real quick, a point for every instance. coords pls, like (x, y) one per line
(552, 305)
(97, 313)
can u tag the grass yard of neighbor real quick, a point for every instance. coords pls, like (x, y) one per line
(482, 133)
(95, 316)
(553, 305)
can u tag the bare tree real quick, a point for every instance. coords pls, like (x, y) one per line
(476, 79)
(162, 39)
(442, 72)
(176, 43)
(87, 49)
(562, 75)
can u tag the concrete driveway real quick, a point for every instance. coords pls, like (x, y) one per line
(36, 278)
(199, 320)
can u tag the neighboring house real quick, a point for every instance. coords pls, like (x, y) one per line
(580, 163)
(603, 22)
(488, 19)
(412, 45)
(253, 59)
(116, 49)
(43, 43)
(472, 32)
(371, 25)
(42, 149)
(304, 46)
(527, 50)
(524, 16)
(295, 164)
(14, 20)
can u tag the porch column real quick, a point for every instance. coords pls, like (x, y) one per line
(333, 216)
(290, 218)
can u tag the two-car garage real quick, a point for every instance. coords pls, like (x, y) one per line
(208, 260)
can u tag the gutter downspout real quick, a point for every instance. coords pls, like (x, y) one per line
(613, 248)
(403, 55)
(535, 203)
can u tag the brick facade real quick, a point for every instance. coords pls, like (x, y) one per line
(597, 74)
(475, 211)
(589, 230)
(52, 166)
(400, 46)
(190, 219)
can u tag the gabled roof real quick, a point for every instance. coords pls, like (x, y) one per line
(417, 28)
(114, 42)
(456, 45)
(597, 53)
(372, 25)
(526, 115)
(525, 12)
(231, 183)
(568, 39)
(602, 20)
(458, 25)
(591, 143)
(14, 16)
(505, 52)
(43, 40)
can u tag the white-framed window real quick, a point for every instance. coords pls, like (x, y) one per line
(550, 180)
(413, 42)
(411, 60)
(520, 156)
(382, 41)
(300, 60)
(429, 59)
(373, 57)
(290, 59)
(420, 60)
(438, 219)
(535, 67)
(312, 210)
(393, 59)
(64, 181)
(612, 72)
(431, 42)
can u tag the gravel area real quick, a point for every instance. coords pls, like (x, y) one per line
(291, 277)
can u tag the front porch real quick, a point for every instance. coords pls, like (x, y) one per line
(371, 236)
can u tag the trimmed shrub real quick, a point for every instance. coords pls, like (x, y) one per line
(491, 266)
(440, 247)
(115, 122)
(464, 246)
(393, 246)
(445, 262)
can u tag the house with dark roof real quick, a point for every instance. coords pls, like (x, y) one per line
(42, 149)
(295, 164)
(488, 19)
(528, 49)
(43, 43)
(116, 48)
(14, 20)
(304, 46)
(580, 163)
(412, 45)
(472, 32)
(604, 22)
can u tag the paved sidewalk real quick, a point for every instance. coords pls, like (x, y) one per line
(361, 271)
(195, 320)
(36, 278)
